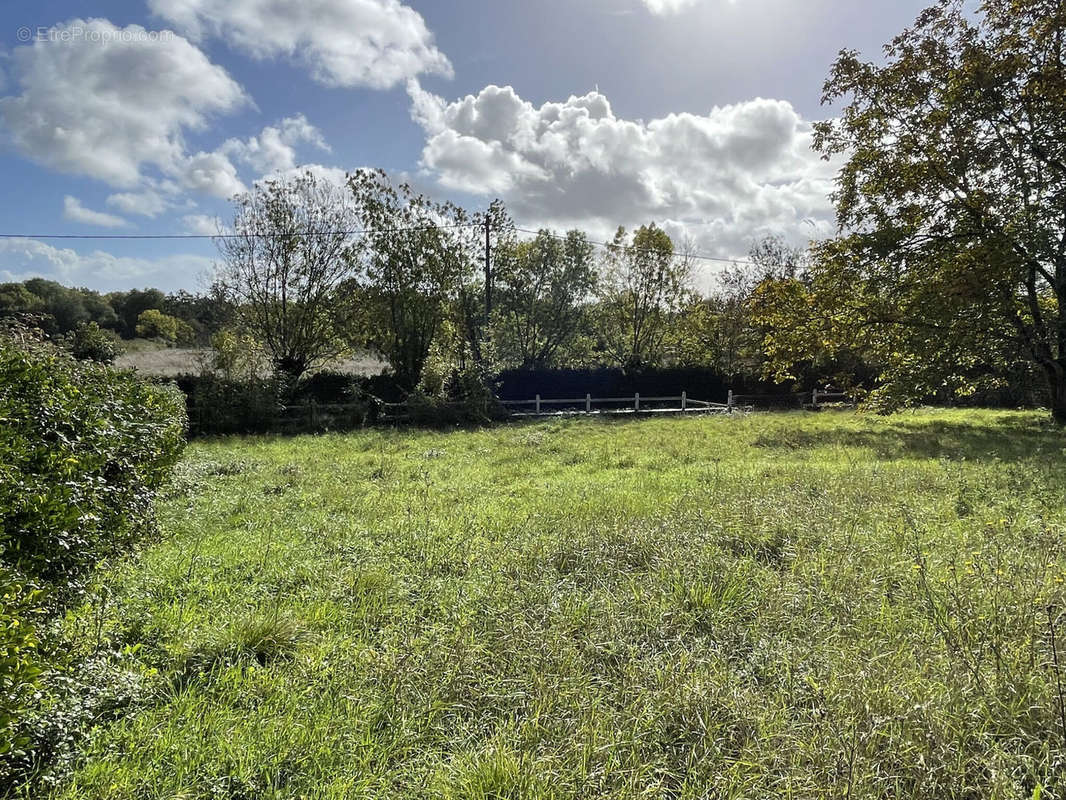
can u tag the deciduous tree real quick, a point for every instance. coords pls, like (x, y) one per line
(417, 262)
(542, 288)
(288, 266)
(951, 261)
(643, 285)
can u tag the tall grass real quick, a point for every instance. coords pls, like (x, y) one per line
(819, 605)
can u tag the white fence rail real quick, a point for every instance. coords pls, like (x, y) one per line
(541, 406)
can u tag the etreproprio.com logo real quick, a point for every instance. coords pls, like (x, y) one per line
(77, 33)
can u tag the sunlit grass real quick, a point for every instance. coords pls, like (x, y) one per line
(796, 605)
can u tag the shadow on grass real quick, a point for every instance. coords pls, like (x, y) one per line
(1010, 439)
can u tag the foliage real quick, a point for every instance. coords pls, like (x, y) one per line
(221, 403)
(206, 314)
(417, 267)
(16, 299)
(154, 324)
(130, 305)
(455, 387)
(805, 605)
(236, 356)
(722, 329)
(83, 450)
(91, 342)
(541, 292)
(951, 266)
(288, 267)
(63, 309)
(642, 286)
(20, 664)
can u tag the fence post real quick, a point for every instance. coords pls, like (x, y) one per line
(814, 399)
(588, 403)
(538, 403)
(684, 401)
(729, 402)
(314, 413)
(636, 401)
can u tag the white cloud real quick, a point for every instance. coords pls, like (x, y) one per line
(664, 7)
(726, 178)
(148, 203)
(32, 258)
(274, 149)
(211, 173)
(76, 212)
(372, 43)
(201, 224)
(108, 102)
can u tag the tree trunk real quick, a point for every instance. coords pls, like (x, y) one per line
(1056, 378)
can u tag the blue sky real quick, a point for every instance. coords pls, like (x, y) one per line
(143, 117)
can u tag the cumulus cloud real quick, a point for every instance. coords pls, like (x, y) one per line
(274, 150)
(343, 43)
(211, 173)
(115, 104)
(76, 212)
(32, 258)
(108, 102)
(147, 203)
(724, 179)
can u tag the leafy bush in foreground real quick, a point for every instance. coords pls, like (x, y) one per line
(83, 448)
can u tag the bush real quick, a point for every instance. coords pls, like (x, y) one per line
(221, 406)
(455, 388)
(90, 342)
(19, 663)
(154, 324)
(83, 448)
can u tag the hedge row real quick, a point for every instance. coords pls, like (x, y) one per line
(83, 449)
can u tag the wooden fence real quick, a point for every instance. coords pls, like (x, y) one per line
(314, 415)
(540, 406)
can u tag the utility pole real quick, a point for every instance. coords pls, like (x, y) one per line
(488, 271)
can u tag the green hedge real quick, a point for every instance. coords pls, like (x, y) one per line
(83, 449)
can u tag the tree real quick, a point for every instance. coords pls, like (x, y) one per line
(16, 299)
(68, 308)
(417, 263)
(207, 314)
(542, 290)
(130, 305)
(950, 266)
(722, 329)
(154, 324)
(288, 267)
(643, 285)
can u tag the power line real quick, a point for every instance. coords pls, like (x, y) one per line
(354, 232)
(213, 236)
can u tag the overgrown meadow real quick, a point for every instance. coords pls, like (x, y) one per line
(793, 605)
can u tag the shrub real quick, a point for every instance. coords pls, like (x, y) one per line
(83, 447)
(90, 342)
(455, 388)
(154, 324)
(19, 663)
(236, 356)
(221, 406)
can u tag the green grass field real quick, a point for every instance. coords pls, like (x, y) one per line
(793, 606)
